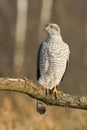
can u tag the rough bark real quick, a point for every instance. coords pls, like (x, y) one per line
(37, 92)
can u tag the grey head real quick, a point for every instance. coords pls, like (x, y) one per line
(52, 29)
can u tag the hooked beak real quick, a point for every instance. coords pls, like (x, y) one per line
(46, 28)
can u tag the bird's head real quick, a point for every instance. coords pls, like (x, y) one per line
(52, 29)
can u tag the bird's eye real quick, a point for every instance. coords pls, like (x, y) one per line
(51, 26)
(54, 27)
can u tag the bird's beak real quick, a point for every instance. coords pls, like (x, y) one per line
(46, 28)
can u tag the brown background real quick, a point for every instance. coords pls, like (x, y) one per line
(17, 111)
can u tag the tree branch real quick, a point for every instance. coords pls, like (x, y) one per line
(37, 92)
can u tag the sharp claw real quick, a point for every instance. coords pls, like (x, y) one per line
(47, 89)
(50, 91)
(56, 92)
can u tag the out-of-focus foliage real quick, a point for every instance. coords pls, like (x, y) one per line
(21, 39)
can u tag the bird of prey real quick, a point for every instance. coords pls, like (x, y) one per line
(53, 56)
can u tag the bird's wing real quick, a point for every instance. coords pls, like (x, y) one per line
(67, 64)
(38, 60)
(64, 72)
(42, 60)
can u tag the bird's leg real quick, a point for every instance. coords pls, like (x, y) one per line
(51, 91)
(55, 92)
(47, 89)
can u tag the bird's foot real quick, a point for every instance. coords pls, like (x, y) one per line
(56, 92)
(47, 90)
(53, 91)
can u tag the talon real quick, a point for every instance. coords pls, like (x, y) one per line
(47, 89)
(50, 91)
(56, 92)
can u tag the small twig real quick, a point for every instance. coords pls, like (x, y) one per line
(37, 92)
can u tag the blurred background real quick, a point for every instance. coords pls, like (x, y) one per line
(21, 33)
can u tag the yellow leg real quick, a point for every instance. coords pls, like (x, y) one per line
(55, 92)
(47, 90)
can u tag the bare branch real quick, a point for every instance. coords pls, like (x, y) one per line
(37, 92)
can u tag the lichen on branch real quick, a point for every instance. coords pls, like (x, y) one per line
(35, 91)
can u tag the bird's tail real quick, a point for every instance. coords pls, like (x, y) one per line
(41, 107)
